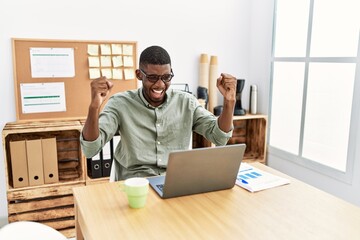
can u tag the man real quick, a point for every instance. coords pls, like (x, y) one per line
(153, 120)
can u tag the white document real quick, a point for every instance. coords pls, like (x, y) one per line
(105, 49)
(117, 74)
(105, 61)
(94, 73)
(129, 73)
(52, 62)
(254, 179)
(43, 97)
(93, 49)
(127, 49)
(128, 61)
(117, 61)
(116, 49)
(106, 72)
(94, 62)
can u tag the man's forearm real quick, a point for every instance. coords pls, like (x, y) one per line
(225, 119)
(90, 130)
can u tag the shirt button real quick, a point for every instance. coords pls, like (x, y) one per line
(158, 143)
(158, 124)
(159, 160)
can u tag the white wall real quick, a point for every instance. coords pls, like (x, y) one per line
(185, 28)
(261, 24)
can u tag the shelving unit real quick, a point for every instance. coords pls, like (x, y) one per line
(248, 129)
(51, 204)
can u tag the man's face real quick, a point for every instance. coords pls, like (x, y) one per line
(154, 90)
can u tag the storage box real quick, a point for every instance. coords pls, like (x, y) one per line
(19, 163)
(34, 162)
(52, 205)
(50, 160)
(248, 129)
(70, 160)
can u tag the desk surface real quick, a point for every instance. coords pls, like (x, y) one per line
(294, 211)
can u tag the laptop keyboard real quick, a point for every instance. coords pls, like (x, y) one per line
(160, 187)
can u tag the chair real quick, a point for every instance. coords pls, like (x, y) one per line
(29, 231)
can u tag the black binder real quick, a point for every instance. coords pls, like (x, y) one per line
(94, 166)
(107, 157)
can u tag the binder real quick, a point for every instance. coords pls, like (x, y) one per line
(19, 164)
(35, 162)
(107, 156)
(94, 166)
(50, 161)
(116, 139)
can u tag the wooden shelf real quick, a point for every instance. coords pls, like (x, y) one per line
(248, 129)
(90, 181)
(51, 203)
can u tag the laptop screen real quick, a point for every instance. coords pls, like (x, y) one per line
(200, 170)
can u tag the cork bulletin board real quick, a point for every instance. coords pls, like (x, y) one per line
(52, 77)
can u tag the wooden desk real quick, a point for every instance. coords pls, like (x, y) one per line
(294, 211)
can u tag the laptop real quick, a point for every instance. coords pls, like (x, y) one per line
(199, 170)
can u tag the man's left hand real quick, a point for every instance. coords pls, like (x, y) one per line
(226, 84)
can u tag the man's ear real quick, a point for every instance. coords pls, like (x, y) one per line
(138, 74)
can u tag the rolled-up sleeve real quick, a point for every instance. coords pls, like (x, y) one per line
(218, 133)
(206, 124)
(90, 148)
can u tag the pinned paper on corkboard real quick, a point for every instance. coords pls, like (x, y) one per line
(82, 60)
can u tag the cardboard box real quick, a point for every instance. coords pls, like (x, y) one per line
(35, 162)
(50, 161)
(19, 164)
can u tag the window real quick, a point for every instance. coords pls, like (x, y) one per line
(313, 84)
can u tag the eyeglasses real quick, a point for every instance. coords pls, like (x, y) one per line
(154, 78)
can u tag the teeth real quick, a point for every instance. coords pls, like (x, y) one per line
(157, 91)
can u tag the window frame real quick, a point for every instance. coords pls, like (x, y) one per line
(346, 176)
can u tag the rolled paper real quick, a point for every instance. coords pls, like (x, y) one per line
(213, 75)
(204, 71)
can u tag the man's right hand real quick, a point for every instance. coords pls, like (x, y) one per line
(100, 90)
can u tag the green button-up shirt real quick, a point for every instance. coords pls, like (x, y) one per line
(149, 133)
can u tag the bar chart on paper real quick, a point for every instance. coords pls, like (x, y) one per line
(254, 179)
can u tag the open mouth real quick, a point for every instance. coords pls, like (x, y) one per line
(157, 93)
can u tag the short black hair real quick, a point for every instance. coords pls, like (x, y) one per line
(155, 55)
